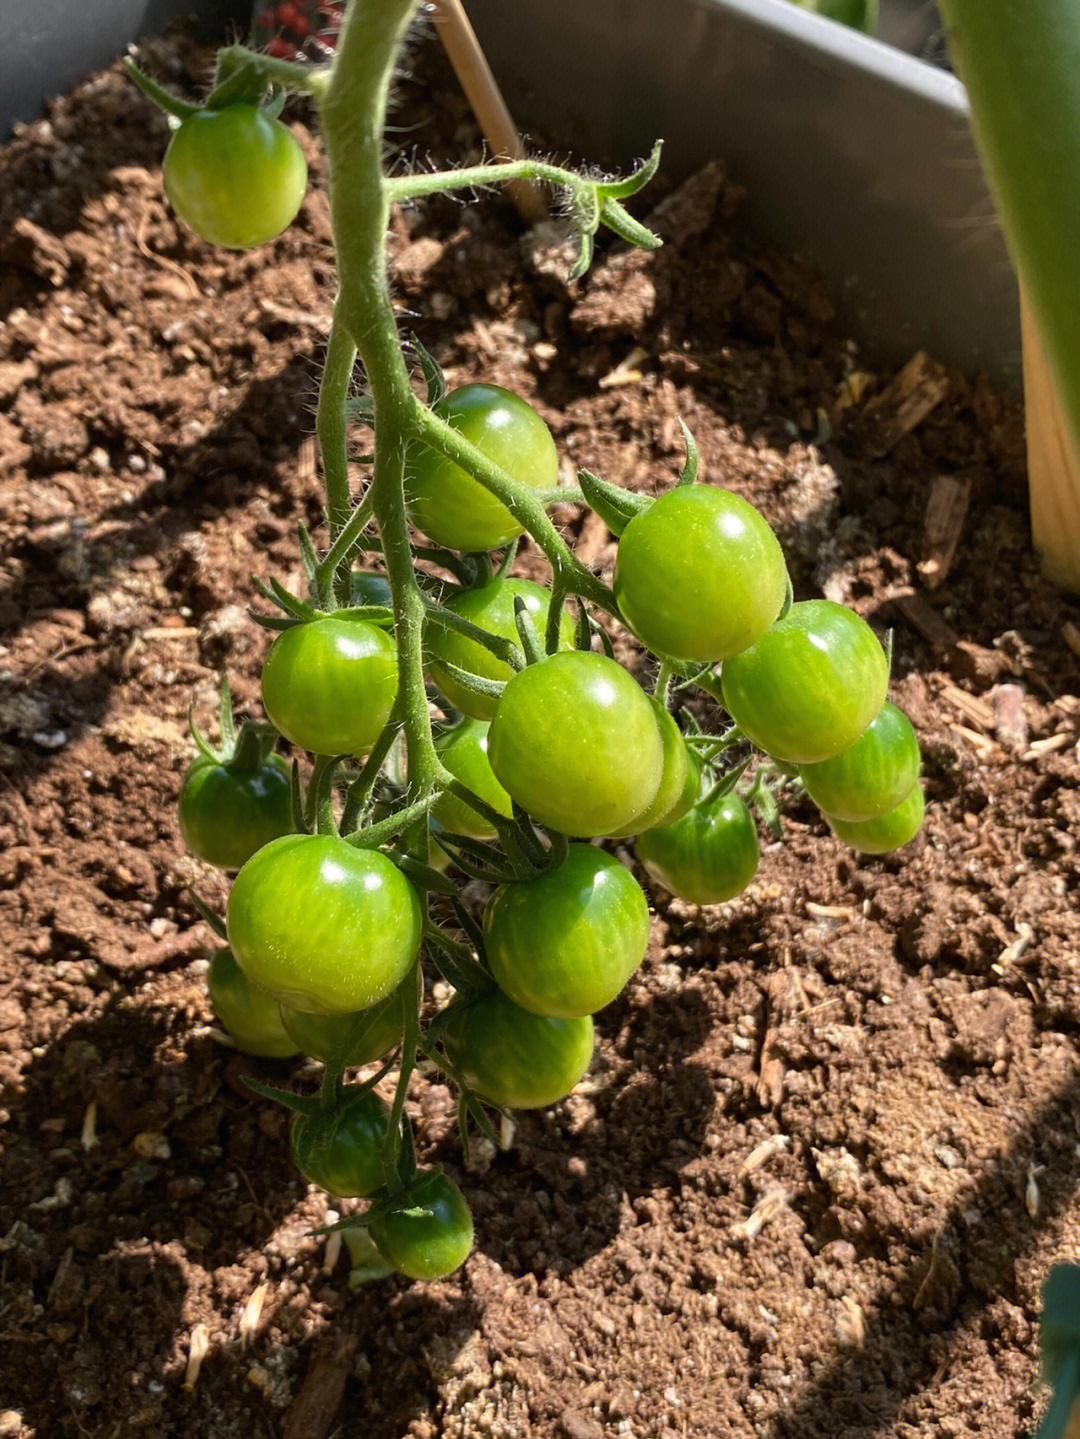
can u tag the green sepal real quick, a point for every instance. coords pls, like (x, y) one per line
(434, 378)
(502, 648)
(379, 615)
(292, 605)
(727, 782)
(296, 799)
(162, 98)
(275, 102)
(623, 224)
(277, 623)
(207, 915)
(764, 801)
(615, 506)
(476, 684)
(299, 1103)
(508, 557)
(531, 642)
(422, 874)
(243, 86)
(372, 836)
(689, 472)
(308, 556)
(636, 180)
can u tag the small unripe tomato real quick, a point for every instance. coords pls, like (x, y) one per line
(236, 176)
(226, 813)
(329, 685)
(249, 1017)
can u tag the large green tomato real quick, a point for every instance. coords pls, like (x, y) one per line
(889, 831)
(226, 813)
(323, 926)
(576, 743)
(341, 1151)
(463, 750)
(708, 856)
(249, 1017)
(680, 783)
(810, 686)
(450, 506)
(699, 575)
(329, 685)
(490, 607)
(427, 1232)
(236, 176)
(514, 1058)
(564, 944)
(347, 1040)
(873, 776)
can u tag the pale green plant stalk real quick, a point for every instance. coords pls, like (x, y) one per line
(1020, 62)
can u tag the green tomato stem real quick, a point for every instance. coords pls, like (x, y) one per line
(330, 428)
(410, 1040)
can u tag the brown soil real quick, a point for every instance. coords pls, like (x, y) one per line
(830, 1145)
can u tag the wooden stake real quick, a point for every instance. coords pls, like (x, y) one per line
(472, 69)
(1053, 469)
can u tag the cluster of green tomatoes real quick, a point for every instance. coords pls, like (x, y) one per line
(546, 745)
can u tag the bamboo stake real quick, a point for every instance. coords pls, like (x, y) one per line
(1053, 469)
(472, 69)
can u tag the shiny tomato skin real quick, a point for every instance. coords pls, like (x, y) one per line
(514, 1058)
(699, 574)
(563, 945)
(341, 1151)
(810, 686)
(452, 508)
(873, 776)
(490, 607)
(226, 813)
(889, 831)
(322, 926)
(463, 750)
(575, 741)
(237, 176)
(347, 1040)
(427, 1232)
(329, 685)
(680, 781)
(708, 856)
(249, 1017)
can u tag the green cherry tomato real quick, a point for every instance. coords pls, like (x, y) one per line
(451, 507)
(249, 1017)
(427, 1232)
(341, 1151)
(236, 176)
(576, 743)
(564, 944)
(514, 1058)
(322, 926)
(680, 782)
(329, 685)
(708, 856)
(699, 575)
(490, 607)
(226, 813)
(887, 832)
(873, 776)
(463, 750)
(347, 1040)
(810, 686)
